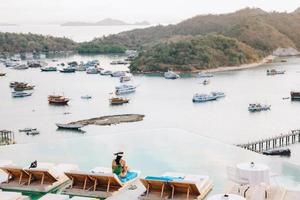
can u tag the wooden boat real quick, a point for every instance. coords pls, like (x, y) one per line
(22, 87)
(278, 152)
(70, 126)
(15, 83)
(58, 100)
(118, 101)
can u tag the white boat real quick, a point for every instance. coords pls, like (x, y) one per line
(125, 89)
(218, 94)
(27, 129)
(86, 97)
(204, 75)
(48, 69)
(69, 126)
(32, 132)
(203, 97)
(20, 94)
(171, 75)
(80, 68)
(271, 72)
(257, 107)
(106, 72)
(118, 74)
(20, 67)
(92, 70)
(125, 78)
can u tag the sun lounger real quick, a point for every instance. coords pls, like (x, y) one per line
(176, 186)
(54, 197)
(45, 178)
(98, 185)
(12, 196)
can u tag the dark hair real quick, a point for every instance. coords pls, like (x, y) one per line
(118, 159)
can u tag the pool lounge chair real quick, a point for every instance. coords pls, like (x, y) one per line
(44, 178)
(176, 186)
(98, 185)
(12, 196)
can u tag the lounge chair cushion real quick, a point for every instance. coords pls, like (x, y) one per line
(129, 176)
(163, 178)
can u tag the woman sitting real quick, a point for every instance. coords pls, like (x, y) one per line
(119, 165)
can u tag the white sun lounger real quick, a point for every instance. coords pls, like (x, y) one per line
(12, 196)
(54, 197)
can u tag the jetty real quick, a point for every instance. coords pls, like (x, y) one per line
(6, 137)
(278, 141)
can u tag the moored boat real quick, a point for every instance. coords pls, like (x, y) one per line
(20, 94)
(106, 72)
(67, 70)
(48, 69)
(204, 97)
(27, 129)
(271, 72)
(23, 86)
(92, 70)
(295, 96)
(118, 74)
(118, 101)
(125, 89)
(278, 152)
(204, 75)
(171, 75)
(2, 74)
(257, 107)
(86, 97)
(125, 78)
(58, 100)
(218, 94)
(21, 67)
(206, 82)
(69, 126)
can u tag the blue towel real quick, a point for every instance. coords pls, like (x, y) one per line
(163, 178)
(129, 176)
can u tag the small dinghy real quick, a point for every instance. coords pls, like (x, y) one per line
(69, 126)
(86, 97)
(278, 152)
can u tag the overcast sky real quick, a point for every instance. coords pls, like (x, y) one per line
(154, 11)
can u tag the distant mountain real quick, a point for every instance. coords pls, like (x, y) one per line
(7, 24)
(105, 22)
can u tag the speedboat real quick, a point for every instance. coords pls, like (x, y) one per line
(218, 94)
(20, 94)
(48, 69)
(257, 107)
(271, 72)
(204, 75)
(204, 97)
(107, 72)
(86, 97)
(171, 75)
(118, 74)
(125, 89)
(92, 70)
(67, 70)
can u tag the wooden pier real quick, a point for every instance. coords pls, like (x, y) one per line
(273, 142)
(6, 137)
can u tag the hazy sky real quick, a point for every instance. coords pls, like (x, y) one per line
(155, 11)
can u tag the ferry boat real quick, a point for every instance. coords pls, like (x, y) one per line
(118, 74)
(106, 72)
(125, 89)
(171, 75)
(257, 107)
(204, 75)
(118, 101)
(48, 69)
(58, 100)
(67, 70)
(204, 97)
(17, 94)
(125, 78)
(295, 96)
(271, 72)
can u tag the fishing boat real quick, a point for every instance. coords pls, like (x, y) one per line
(17, 94)
(118, 74)
(27, 129)
(218, 94)
(171, 75)
(21, 67)
(69, 126)
(278, 152)
(204, 75)
(86, 97)
(295, 96)
(49, 69)
(271, 72)
(118, 101)
(125, 78)
(67, 70)
(203, 98)
(22, 87)
(92, 70)
(125, 89)
(257, 107)
(106, 72)
(2, 74)
(58, 100)
(32, 132)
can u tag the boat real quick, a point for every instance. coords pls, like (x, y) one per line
(118, 101)
(80, 68)
(278, 152)
(125, 89)
(171, 75)
(67, 70)
(92, 70)
(125, 78)
(21, 67)
(27, 129)
(2, 74)
(118, 74)
(86, 97)
(204, 98)
(20, 94)
(218, 94)
(23, 86)
(204, 75)
(271, 72)
(49, 69)
(206, 82)
(58, 100)
(69, 126)
(119, 62)
(295, 96)
(283, 60)
(106, 72)
(257, 107)
(32, 132)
